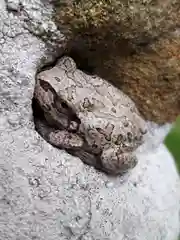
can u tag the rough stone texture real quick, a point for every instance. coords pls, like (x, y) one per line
(48, 194)
(151, 77)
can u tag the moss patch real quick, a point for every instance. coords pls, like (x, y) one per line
(135, 19)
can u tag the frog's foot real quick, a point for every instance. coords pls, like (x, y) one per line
(116, 162)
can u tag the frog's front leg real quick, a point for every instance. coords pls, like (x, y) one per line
(114, 161)
(65, 140)
(62, 139)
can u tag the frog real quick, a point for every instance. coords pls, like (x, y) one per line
(88, 117)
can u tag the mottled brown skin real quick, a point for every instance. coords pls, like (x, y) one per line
(89, 118)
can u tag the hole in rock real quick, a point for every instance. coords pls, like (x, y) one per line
(99, 57)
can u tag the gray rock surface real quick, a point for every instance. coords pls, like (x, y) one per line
(46, 193)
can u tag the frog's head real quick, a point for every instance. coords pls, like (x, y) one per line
(55, 107)
(66, 114)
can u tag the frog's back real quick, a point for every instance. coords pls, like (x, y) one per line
(108, 115)
(82, 91)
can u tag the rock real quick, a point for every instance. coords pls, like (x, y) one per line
(150, 77)
(138, 21)
(130, 44)
(46, 193)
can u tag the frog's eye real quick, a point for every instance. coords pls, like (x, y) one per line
(60, 105)
(94, 145)
(64, 105)
(99, 130)
(130, 136)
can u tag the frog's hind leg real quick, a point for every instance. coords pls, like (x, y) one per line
(116, 162)
(87, 157)
(71, 142)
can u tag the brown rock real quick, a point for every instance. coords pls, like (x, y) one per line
(137, 20)
(150, 77)
(126, 43)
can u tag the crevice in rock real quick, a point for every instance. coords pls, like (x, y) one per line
(94, 57)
